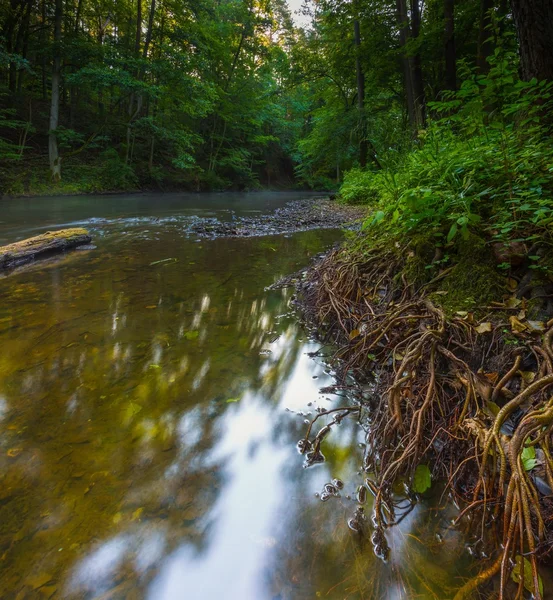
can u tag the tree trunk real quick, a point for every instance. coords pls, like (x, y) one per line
(450, 58)
(403, 23)
(534, 25)
(138, 27)
(150, 29)
(360, 96)
(416, 70)
(484, 36)
(53, 153)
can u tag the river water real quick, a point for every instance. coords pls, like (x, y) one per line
(151, 396)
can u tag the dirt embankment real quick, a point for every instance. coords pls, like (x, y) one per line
(461, 396)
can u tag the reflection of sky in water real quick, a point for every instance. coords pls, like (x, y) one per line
(125, 470)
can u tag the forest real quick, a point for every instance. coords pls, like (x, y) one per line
(206, 95)
(433, 116)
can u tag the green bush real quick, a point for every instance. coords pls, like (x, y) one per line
(361, 187)
(481, 165)
(115, 173)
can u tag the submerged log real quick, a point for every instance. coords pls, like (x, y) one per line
(42, 245)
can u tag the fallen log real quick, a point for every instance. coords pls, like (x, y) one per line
(42, 245)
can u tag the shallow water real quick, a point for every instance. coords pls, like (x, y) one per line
(146, 449)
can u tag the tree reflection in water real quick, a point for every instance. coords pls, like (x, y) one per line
(146, 449)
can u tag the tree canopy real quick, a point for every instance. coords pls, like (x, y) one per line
(206, 94)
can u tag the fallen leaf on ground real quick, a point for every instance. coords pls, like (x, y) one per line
(536, 325)
(516, 325)
(484, 328)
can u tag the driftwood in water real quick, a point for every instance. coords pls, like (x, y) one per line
(48, 243)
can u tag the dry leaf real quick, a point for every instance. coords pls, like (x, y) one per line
(512, 284)
(536, 326)
(492, 377)
(484, 328)
(353, 334)
(527, 376)
(521, 315)
(462, 313)
(516, 325)
(513, 302)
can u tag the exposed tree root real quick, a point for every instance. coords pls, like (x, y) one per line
(442, 397)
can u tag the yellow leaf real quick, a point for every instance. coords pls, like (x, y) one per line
(353, 334)
(516, 325)
(527, 376)
(512, 284)
(484, 328)
(513, 302)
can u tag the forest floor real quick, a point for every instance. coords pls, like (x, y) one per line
(458, 359)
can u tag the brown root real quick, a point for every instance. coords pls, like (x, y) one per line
(441, 399)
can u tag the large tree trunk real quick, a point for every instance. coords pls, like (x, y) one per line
(450, 58)
(534, 24)
(360, 96)
(53, 153)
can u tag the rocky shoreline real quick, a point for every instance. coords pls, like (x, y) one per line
(299, 215)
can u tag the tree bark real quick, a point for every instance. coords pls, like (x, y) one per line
(150, 29)
(534, 25)
(403, 23)
(42, 245)
(360, 96)
(416, 70)
(484, 37)
(53, 152)
(450, 53)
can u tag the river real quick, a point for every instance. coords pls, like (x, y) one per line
(152, 393)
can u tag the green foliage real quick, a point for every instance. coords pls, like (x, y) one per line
(115, 173)
(523, 568)
(361, 187)
(422, 479)
(484, 164)
(528, 457)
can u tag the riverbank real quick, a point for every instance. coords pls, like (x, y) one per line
(458, 360)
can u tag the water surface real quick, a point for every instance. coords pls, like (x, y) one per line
(151, 396)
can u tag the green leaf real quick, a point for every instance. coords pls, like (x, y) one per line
(233, 400)
(528, 458)
(528, 579)
(379, 216)
(452, 232)
(191, 335)
(422, 479)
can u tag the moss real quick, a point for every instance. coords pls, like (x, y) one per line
(473, 280)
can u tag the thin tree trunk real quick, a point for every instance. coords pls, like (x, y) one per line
(484, 36)
(534, 25)
(403, 23)
(360, 96)
(43, 45)
(416, 70)
(53, 153)
(150, 29)
(138, 28)
(450, 54)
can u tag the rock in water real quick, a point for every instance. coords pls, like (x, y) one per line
(42, 245)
